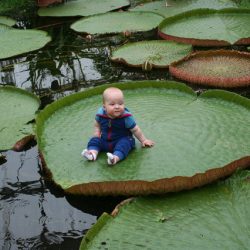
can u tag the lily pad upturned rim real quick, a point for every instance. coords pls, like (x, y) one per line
(141, 65)
(140, 187)
(22, 91)
(202, 42)
(224, 193)
(224, 82)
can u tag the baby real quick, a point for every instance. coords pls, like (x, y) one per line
(114, 128)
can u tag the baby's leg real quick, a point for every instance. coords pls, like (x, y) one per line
(121, 150)
(93, 148)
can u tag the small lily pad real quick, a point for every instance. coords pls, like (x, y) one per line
(220, 68)
(117, 22)
(158, 53)
(205, 27)
(83, 8)
(17, 108)
(7, 21)
(16, 41)
(169, 8)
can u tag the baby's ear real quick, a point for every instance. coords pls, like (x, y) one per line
(103, 106)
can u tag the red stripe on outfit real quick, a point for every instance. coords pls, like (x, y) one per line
(122, 116)
(109, 130)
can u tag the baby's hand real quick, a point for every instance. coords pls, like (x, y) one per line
(147, 143)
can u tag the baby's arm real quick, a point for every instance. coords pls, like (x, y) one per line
(97, 129)
(140, 136)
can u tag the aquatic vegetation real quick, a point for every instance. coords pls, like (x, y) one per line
(82, 8)
(7, 21)
(182, 124)
(117, 22)
(220, 68)
(216, 216)
(155, 53)
(173, 7)
(206, 27)
(17, 108)
(17, 41)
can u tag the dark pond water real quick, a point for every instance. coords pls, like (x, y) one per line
(33, 215)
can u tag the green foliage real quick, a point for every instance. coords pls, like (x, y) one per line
(118, 22)
(229, 25)
(158, 53)
(16, 41)
(83, 8)
(17, 108)
(174, 7)
(184, 126)
(213, 217)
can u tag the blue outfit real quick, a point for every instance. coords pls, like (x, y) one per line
(116, 136)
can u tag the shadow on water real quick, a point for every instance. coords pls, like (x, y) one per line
(32, 214)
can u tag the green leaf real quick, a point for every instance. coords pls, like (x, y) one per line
(192, 135)
(16, 41)
(158, 53)
(116, 22)
(172, 7)
(214, 217)
(208, 27)
(83, 7)
(7, 21)
(17, 107)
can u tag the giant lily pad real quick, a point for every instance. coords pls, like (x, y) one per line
(192, 134)
(17, 108)
(116, 22)
(158, 53)
(206, 27)
(172, 7)
(83, 7)
(7, 21)
(222, 68)
(16, 41)
(214, 217)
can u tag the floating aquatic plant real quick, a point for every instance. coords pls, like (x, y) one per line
(117, 22)
(220, 68)
(17, 108)
(172, 7)
(16, 41)
(198, 140)
(216, 217)
(206, 27)
(7, 21)
(83, 8)
(154, 53)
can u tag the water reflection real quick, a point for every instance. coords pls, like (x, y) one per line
(30, 216)
(73, 61)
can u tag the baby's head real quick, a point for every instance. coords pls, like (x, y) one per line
(113, 102)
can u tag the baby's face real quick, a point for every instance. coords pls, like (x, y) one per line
(114, 105)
